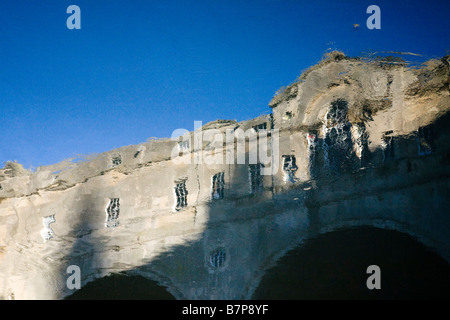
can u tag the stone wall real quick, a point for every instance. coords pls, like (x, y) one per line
(359, 142)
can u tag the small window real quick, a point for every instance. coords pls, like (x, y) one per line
(116, 160)
(255, 177)
(312, 140)
(289, 168)
(387, 146)
(424, 140)
(47, 232)
(287, 116)
(218, 186)
(181, 195)
(139, 151)
(112, 213)
(217, 258)
(184, 146)
(260, 127)
(338, 113)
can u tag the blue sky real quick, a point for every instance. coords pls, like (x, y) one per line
(140, 69)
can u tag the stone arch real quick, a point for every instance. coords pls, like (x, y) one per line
(128, 285)
(337, 137)
(318, 108)
(396, 232)
(382, 224)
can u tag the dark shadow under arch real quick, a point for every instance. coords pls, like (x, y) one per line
(333, 266)
(122, 287)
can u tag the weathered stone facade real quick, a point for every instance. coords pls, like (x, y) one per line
(359, 143)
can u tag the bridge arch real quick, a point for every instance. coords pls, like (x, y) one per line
(132, 285)
(333, 266)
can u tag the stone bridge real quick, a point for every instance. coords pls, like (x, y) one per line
(351, 143)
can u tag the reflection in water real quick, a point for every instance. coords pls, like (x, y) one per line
(333, 266)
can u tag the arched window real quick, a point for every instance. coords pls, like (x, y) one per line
(181, 195)
(218, 186)
(338, 146)
(47, 232)
(255, 177)
(112, 213)
(217, 258)
(116, 160)
(425, 137)
(289, 168)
